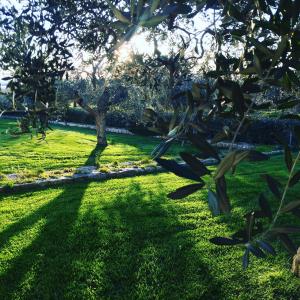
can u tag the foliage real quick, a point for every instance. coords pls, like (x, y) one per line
(36, 56)
(267, 33)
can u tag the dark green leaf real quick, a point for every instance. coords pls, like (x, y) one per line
(221, 188)
(288, 158)
(220, 136)
(179, 170)
(203, 146)
(246, 259)
(261, 47)
(235, 13)
(154, 5)
(273, 185)
(280, 49)
(288, 243)
(196, 165)
(267, 247)
(185, 191)
(154, 21)
(256, 251)
(118, 14)
(290, 206)
(161, 149)
(288, 104)
(294, 78)
(250, 224)
(230, 161)
(213, 203)
(286, 229)
(295, 179)
(262, 105)
(196, 92)
(265, 206)
(297, 133)
(225, 165)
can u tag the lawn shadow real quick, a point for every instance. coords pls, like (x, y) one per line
(132, 246)
(49, 252)
(94, 157)
(135, 247)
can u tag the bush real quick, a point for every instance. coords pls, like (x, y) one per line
(113, 119)
(260, 131)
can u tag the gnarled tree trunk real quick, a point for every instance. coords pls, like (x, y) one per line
(100, 120)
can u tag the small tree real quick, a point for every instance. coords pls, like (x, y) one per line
(95, 96)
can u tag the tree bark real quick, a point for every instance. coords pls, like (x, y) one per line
(100, 127)
(100, 121)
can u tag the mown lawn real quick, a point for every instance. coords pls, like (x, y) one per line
(70, 148)
(123, 239)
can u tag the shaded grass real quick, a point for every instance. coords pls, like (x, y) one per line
(70, 148)
(123, 239)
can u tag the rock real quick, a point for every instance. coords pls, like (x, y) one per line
(85, 170)
(12, 176)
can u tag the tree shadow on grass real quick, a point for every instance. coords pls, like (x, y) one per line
(135, 247)
(132, 246)
(94, 157)
(49, 253)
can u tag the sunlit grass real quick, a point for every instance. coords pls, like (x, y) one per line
(123, 239)
(69, 148)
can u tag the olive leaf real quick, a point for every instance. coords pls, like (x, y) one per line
(267, 247)
(154, 5)
(255, 250)
(179, 170)
(203, 146)
(196, 165)
(265, 206)
(280, 49)
(213, 203)
(290, 206)
(295, 179)
(246, 259)
(154, 21)
(231, 160)
(273, 185)
(118, 14)
(287, 243)
(288, 158)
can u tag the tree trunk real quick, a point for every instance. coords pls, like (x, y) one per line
(100, 120)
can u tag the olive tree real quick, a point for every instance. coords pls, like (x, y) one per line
(35, 56)
(95, 96)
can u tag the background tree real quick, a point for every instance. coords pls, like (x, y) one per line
(35, 55)
(95, 95)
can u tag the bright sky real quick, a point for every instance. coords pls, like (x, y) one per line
(138, 43)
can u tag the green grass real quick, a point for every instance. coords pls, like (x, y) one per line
(70, 148)
(123, 239)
